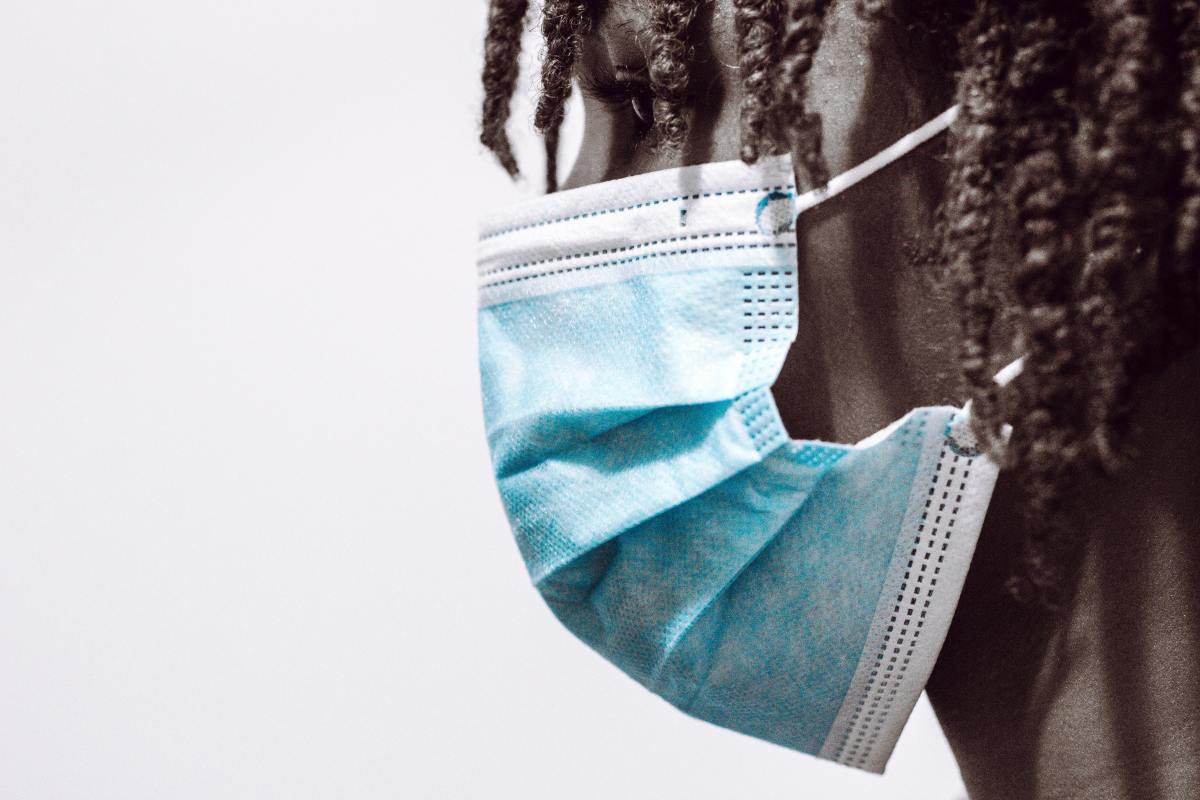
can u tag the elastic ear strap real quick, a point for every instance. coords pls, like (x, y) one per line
(866, 169)
(1006, 375)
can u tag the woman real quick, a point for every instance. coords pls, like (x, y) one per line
(1056, 222)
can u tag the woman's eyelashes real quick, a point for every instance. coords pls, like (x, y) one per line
(625, 92)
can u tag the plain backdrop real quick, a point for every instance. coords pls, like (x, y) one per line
(249, 543)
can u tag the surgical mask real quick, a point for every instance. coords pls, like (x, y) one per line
(796, 591)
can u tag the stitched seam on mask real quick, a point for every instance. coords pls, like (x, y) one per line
(625, 249)
(862, 734)
(948, 532)
(632, 259)
(646, 204)
(757, 416)
(871, 685)
(758, 292)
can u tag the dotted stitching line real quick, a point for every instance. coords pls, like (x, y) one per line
(817, 456)
(753, 414)
(952, 517)
(867, 726)
(613, 250)
(615, 262)
(859, 717)
(645, 204)
(756, 410)
(757, 293)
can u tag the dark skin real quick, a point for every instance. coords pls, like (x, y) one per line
(1100, 699)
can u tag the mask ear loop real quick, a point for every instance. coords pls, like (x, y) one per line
(860, 172)
(1003, 378)
(962, 426)
(1006, 376)
(893, 152)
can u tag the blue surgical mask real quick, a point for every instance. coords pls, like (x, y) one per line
(796, 591)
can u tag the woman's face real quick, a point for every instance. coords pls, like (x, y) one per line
(612, 74)
(876, 337)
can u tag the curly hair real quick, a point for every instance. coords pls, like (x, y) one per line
(968, 215)
(1181, 287)
(801, 38)
(1044, 195)
(757, 23)
(1071, 211)
(563, 25)
(501, 50)
(670, 27)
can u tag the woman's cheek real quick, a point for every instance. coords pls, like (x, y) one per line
(608, 147)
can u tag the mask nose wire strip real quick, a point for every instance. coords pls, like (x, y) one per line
(883, 158)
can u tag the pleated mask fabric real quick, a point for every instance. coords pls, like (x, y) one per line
(796, 591)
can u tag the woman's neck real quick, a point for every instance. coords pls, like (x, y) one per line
(1100, 699)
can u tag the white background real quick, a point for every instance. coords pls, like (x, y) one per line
(249, 544)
